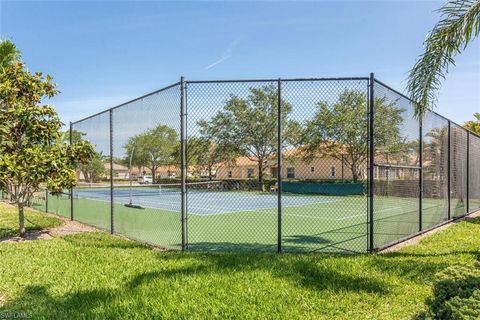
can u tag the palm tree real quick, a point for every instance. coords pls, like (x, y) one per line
(459, 25)
(474, 125)
(9, 53)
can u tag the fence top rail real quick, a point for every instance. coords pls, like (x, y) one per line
(128, 102)
(434, 112)
(281, 79)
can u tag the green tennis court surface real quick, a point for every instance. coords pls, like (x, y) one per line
(327, 223)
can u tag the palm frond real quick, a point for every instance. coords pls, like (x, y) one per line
(459, 25)
(9, 53)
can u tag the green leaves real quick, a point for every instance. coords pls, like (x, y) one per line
(248, 126)
(459, 25)
(341, 129)
(32, 151)
(474, 125)
(9, 53)
(153, 148)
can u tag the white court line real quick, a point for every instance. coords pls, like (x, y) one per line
(108, 201)
(252, 209)
(337, 219)
(209, 210)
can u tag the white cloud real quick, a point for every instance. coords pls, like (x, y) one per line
(226, 54)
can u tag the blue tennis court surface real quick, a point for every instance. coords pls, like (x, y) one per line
(205, 203)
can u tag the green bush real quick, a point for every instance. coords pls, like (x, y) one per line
(456, 294)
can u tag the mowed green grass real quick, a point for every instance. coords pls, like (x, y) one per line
(33, 221)
(99, 276)
(336, 225)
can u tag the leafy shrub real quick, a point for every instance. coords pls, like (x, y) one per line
(456, 294)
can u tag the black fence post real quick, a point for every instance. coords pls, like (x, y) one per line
(71, 189)
(46, 200)
(112, 208)
(449, 171)
(468, 172)
(371, 146)
(279, 165)
(420, 173)
(183, 165)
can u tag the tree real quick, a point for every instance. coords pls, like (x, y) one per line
(204, 155)
(474, 125)
(94, 169)
(248, 126)
(154, 148)
(435, 150)
(30, 151)
(340, 130)
(9, 53)
(459, 25)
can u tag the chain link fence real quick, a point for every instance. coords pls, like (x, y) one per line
(292, 165)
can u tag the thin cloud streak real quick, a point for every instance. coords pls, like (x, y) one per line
(225, 56)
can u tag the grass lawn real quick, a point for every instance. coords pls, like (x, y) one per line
(33, 221)
(96, 275)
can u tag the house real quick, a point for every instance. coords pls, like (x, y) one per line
(293, 167)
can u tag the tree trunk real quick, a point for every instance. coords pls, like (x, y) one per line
(354, 173)
(153, 169)
(21, 220)
(260, 175)
(210, 173)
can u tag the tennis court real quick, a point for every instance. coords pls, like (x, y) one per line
(203, 198)
(309, 223)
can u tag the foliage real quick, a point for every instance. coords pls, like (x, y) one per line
(456, 294)
(30, 151)
(94, 169)
(9, 53)
(434, 149)
(459, 25)
(108, 277)
(474, 125)
(154, 148)
(340, 130)
(205, 156)
(248, 126)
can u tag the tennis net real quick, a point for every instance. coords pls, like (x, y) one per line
(125, 190)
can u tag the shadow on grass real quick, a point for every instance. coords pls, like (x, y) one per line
(97, 302)
(100, 240)
(330, 272)
(305, 271)
(128, 299)
(36, 302)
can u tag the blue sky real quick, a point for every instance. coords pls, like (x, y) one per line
(104, 53)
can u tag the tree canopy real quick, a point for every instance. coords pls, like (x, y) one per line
(92, 170)
(9, 53)
(248, 126)
(474, 125)
(340, 130)
(156, 147)
(204, 156)
(31, 151)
